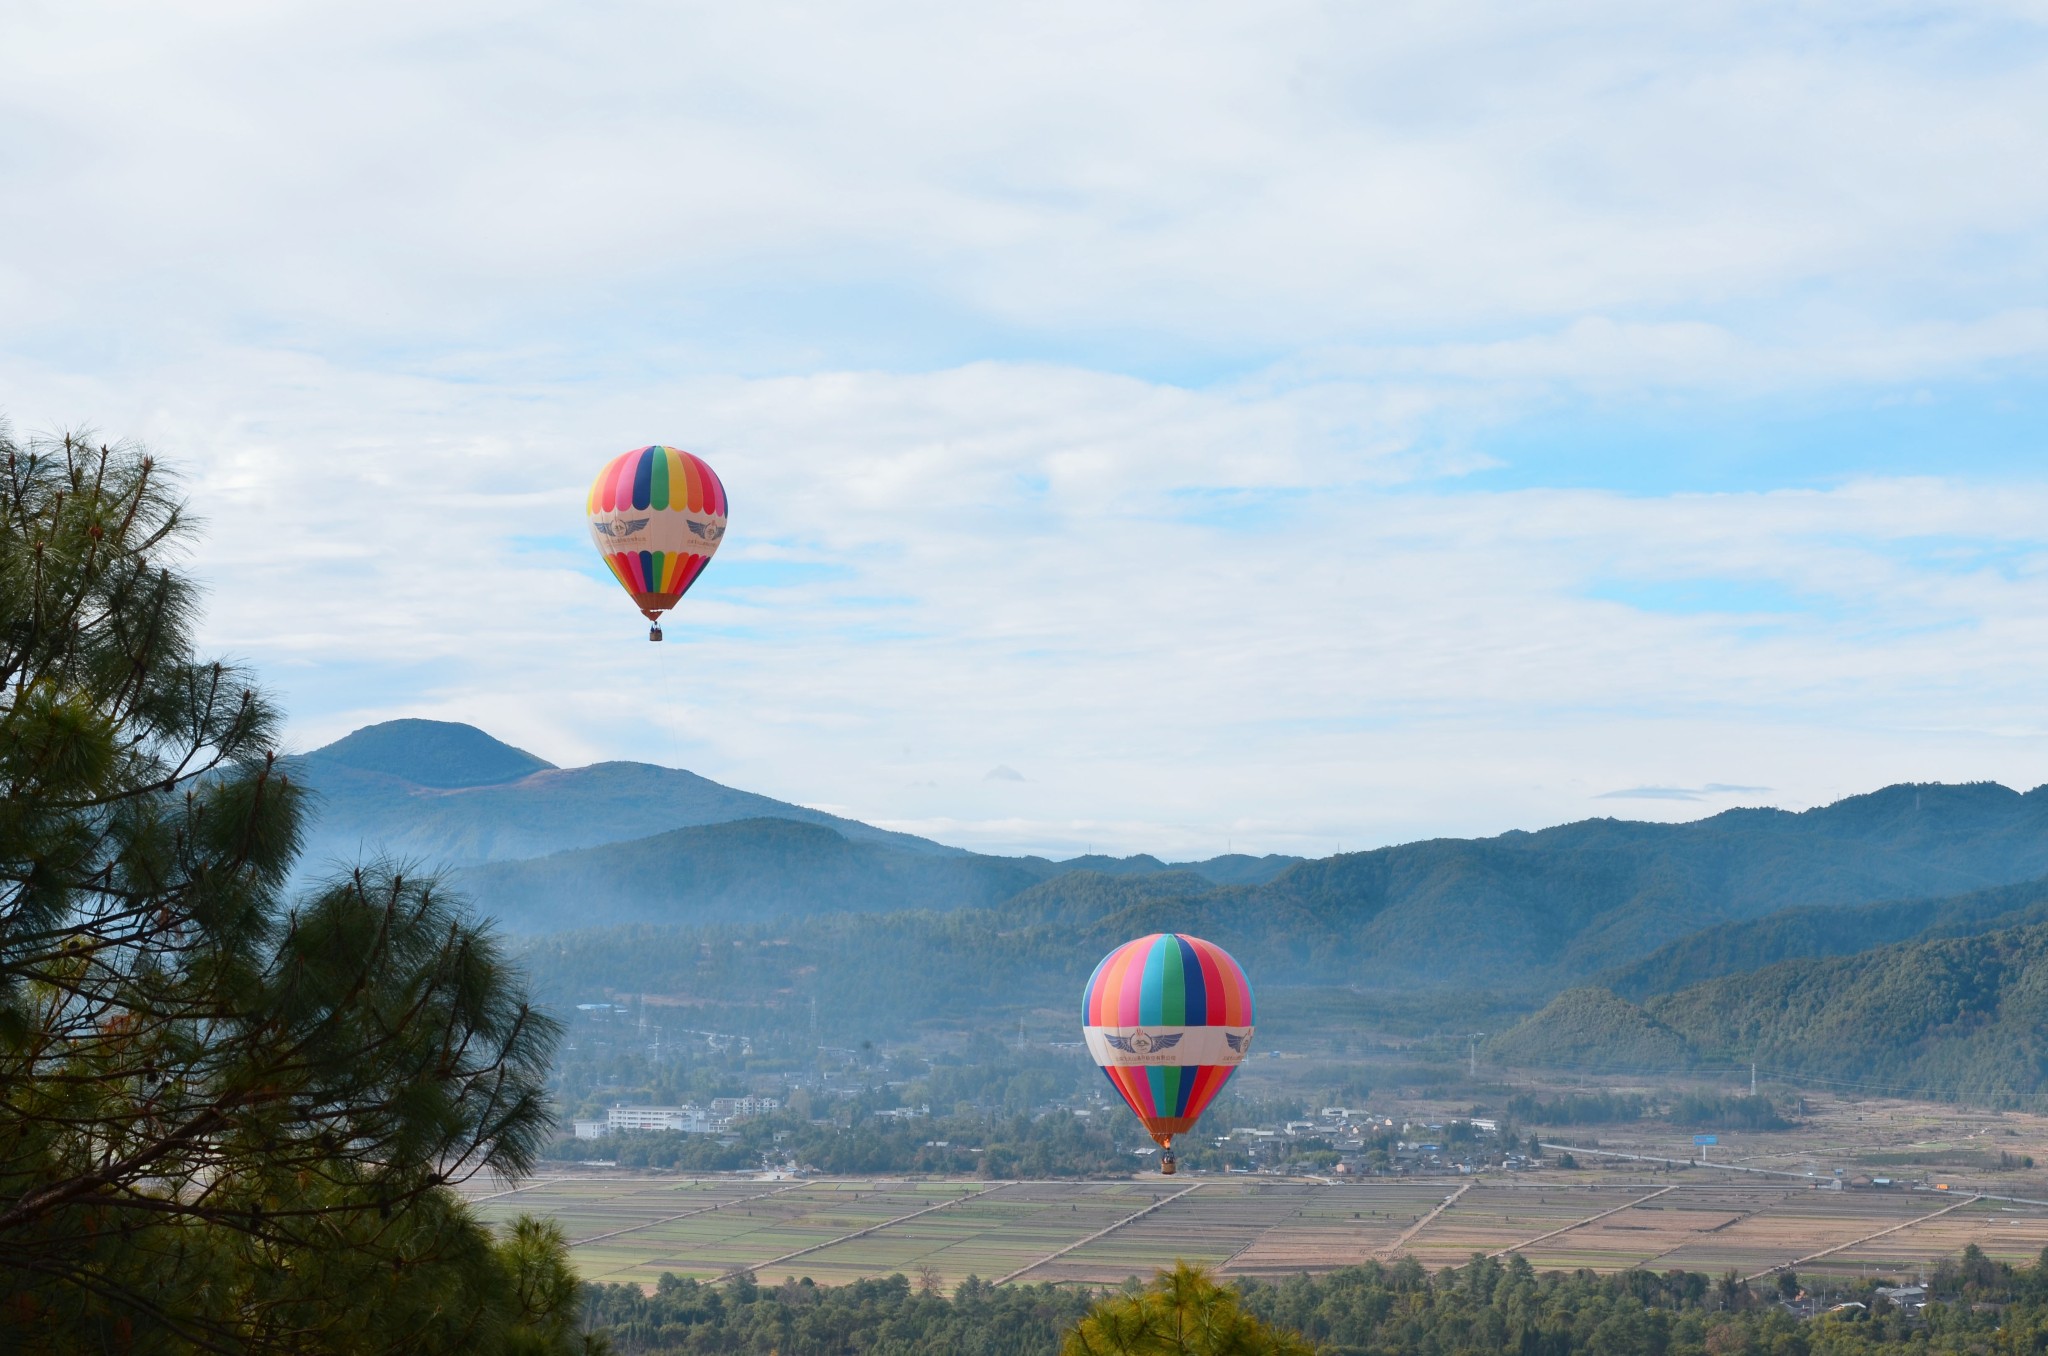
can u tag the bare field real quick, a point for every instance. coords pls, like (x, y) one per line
(635, 1229)
(1611, 1215)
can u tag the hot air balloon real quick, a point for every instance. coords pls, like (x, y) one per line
(657, 515)
(1169, 1019)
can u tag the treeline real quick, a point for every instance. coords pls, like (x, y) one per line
(1485, 1308)
(1789, 934)
(1577, 1108)
(798, 1318)
(1057, 1144)
(1699, 1110)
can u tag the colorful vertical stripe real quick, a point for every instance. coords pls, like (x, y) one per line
(657, 515)
(657, 477)
(1167, 979)
(1169, 982)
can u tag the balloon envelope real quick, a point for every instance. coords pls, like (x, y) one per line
(1169, 1019)
(657, 515)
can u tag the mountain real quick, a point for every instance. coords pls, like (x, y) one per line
(432, 753)
(1955, 1016)
(548, 846)
(747, 870)
(1733, 948)
(1576, 900)
(542, 846)
(449, 794)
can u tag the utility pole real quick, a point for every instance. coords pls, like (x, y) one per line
(1473, 1054)
(1752, 1078)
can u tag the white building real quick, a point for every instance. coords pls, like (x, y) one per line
(589, 1129)
(691, 1120)
(733, 1108)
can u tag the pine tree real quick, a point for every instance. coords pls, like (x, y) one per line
(1183, 1312)
(229, 1114)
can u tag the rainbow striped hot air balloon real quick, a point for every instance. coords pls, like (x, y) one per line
(657, 515)
(1169, 1019)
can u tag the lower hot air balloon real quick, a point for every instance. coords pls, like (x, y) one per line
(1169, 1019)
(657, 515)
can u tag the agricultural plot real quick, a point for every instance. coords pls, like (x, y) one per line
(1332, 1228)
(628, 1229)
(1209, 1225)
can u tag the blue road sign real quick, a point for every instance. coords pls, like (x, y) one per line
(1704, 1140)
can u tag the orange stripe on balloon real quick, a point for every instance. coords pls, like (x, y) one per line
(696, 471)
(1209, 1081)
(1136, 1088)
(1240, 988)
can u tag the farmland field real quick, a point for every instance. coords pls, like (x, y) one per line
(1754, 1209)
(636, 1228)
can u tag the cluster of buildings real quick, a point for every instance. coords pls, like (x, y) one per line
(1356, 1143)
(689, 1119)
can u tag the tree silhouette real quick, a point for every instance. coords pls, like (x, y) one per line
(228, 1117)
(1182, 1311)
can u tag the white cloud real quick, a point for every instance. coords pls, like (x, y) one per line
(416, 176)
(1034, 558)
(391, 280)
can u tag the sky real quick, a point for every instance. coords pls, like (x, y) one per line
(1171, 427)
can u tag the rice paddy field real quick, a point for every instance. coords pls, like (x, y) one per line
(634, 1229)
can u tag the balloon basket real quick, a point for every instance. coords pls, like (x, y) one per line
(654, 633)
(1167, 1166)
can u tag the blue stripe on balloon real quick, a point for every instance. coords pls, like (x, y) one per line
(1194, 985)
(643, 480)
(1152, 998)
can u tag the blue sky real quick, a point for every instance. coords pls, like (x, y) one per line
(1284, 430)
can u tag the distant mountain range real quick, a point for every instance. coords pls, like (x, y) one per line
(1777, 912)
(542, 847)
(449, 794)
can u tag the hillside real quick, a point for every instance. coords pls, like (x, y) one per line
(1582, 898)
(1541, 909)
(1958, 1016)
(451, 795)
(749, 869)
(1733, 948)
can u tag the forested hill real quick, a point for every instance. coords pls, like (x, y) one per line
(545, 847)
(1733, 948)
(1535, 911)
(1962, 1016)
(1578, 899)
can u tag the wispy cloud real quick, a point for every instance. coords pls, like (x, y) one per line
(1302, 430)
(1691, 793)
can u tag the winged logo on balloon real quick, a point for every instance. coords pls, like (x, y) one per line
(1237, 1040)
(619, 527)
(1143, 1043)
